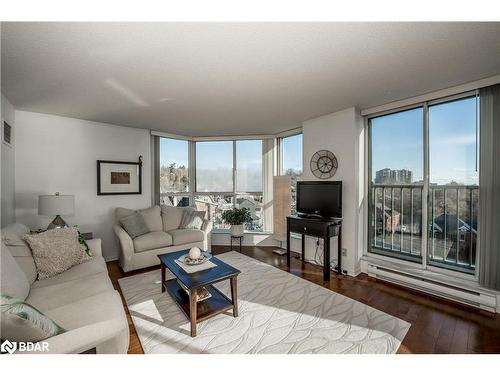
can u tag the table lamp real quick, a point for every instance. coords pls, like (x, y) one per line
(50, 205)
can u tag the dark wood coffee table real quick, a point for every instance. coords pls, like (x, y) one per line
(216, 304)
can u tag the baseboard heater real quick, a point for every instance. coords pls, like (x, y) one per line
(482, 300)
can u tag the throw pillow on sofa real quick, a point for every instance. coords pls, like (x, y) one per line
(192, 219)
(56, 251)
(152, 216)
(172, 216)
(22, 322)
(134, 225)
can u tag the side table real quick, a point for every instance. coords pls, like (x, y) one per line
(236, 238)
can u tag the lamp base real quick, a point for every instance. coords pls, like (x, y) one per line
(58, 222)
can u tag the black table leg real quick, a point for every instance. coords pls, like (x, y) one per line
(339, 243)
(288, 243)
(326, 256)
(163, 271)
(234, 295)
(303, 247)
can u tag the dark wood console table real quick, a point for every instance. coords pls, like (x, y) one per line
(316, 228)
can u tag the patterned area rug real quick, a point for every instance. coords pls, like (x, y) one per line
(278, 313)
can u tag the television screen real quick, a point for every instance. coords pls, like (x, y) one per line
(322, 198)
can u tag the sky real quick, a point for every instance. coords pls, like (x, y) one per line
(292, 152)
(397, 142)
(174, 151)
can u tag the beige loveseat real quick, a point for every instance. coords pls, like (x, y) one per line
(82, 299)
(164, 237)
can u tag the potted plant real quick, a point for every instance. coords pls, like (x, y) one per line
(236, 217)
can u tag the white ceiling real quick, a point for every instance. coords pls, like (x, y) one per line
(205, 79)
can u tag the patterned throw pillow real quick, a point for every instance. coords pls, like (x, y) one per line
(192, 219)
(22, 322)
(134, 225)
(56, 251)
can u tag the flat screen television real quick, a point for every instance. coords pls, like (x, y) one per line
(319, 198)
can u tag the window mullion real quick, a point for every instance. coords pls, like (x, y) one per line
(279, 157)
(234, 174)
(425, 193)
(192, 172)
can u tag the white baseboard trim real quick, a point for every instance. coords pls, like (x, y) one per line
(450, 288)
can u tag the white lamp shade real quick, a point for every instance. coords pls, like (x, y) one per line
(50, 205)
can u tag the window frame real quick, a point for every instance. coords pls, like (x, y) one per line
(270, 143)
(280, 149)
(280, 157)
(234, 193)
(195, 172)
(424, 264)
(187, 193)
(412, 259)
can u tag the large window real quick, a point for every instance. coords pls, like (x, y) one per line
(291, 162)
(229, 174)
(214, 166)
(249, 181)
(249, 166)
(174, 172)
(424, 184)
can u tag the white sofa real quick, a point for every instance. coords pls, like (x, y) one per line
(82, 299)
(165, 236)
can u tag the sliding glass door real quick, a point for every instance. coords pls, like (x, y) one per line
(423, 184)
(453, 184)
(396, 146)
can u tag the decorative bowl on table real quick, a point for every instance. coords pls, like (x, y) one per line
(204, 256)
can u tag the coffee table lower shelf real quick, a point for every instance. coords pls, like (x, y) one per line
(205, 309)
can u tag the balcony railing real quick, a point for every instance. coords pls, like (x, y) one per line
(453, 226)
(396, 223)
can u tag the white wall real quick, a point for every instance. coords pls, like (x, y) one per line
(342, 133)
(8, 164)
(59, 154)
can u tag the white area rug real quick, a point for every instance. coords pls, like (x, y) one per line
(278, 313)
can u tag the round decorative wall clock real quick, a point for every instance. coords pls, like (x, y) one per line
(324, 164)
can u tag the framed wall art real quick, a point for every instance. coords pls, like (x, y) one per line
(119, 177)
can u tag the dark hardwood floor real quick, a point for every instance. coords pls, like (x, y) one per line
(437, 325)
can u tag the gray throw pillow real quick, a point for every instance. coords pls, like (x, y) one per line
(55, 251)
(134, 225)
(192, 219)
(22, 322)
